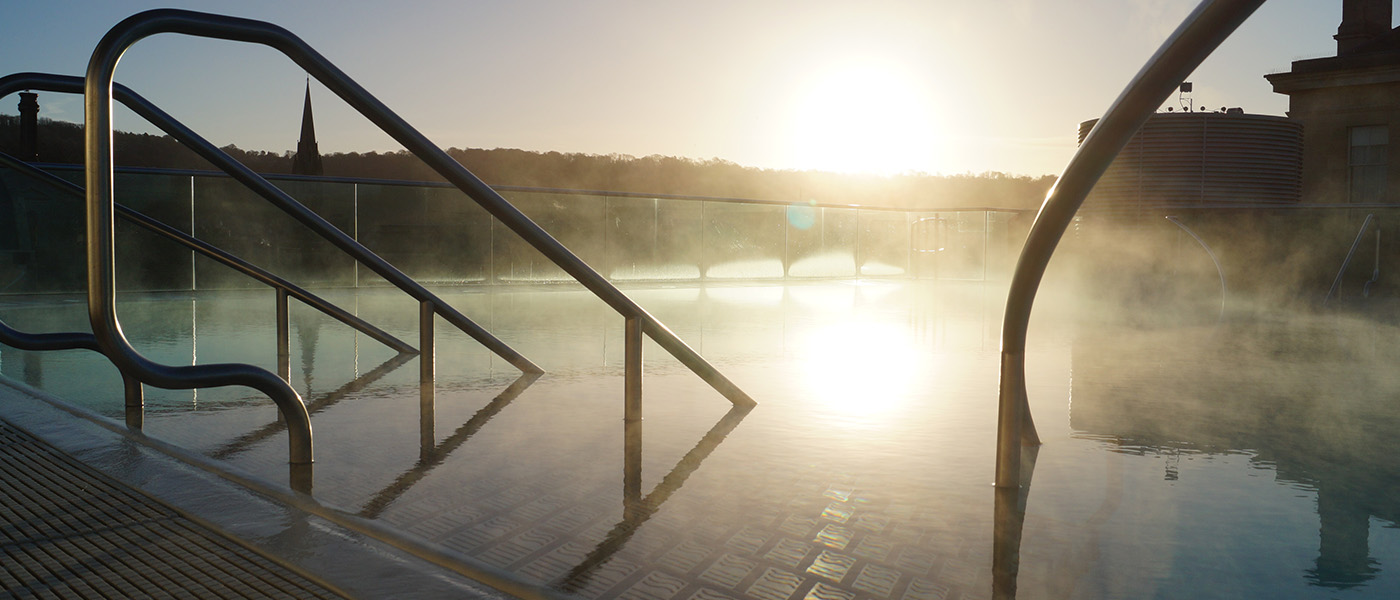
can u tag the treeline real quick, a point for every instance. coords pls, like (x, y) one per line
(62, 142)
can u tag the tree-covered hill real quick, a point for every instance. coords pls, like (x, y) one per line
(62, 142)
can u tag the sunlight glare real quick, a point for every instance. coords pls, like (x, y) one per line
(866, 118)
(859, 370)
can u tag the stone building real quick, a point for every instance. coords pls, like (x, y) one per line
(1349, 105)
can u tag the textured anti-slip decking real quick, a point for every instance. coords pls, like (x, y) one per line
(67, 531)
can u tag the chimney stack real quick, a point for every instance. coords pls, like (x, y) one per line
(28, 126)
(1362, 21)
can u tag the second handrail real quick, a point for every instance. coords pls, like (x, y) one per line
(129, 31)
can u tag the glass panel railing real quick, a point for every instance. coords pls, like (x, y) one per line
(41, 238)
(146, 261)
(743, 241)
(311, 259)
(884, 249)
(652, 239)
(575, 220)
(821, 242)
(964, 246)
(234, 218)
(436, 235)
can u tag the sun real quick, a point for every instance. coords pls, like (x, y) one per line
(865, 118)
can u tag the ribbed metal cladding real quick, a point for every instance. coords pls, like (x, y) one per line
(1205, 158)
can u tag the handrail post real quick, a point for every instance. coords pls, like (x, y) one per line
(426, 310)
(284, 337)
(632, 366)
(101, 276)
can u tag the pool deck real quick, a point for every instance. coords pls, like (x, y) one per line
(91, 510)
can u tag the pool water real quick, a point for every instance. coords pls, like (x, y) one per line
(1250, 458)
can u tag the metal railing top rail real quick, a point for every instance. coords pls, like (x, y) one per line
(548, 190)
(217, 254)
(1199, 34)
(98, 96)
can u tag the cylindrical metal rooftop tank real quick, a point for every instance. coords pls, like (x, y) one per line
(1204, 158)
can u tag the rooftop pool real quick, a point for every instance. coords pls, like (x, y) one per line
(1251, 457)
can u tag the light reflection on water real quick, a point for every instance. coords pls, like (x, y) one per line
(1247, 460)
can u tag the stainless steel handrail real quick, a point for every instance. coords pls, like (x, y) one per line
(102, 305)
(217, 254)
(284, 202)
(1199, 34)
(99, 82)
(1346, 262)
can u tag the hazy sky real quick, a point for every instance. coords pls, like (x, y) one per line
(939, 86)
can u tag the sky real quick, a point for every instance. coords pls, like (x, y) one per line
(882, 86)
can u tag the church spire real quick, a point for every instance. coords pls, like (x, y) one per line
(308, 157)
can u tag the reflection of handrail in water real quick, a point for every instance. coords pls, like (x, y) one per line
(636, 510)
(1199, 34)
(1008, 521)
(46, 342)
(246, 441)
(433, 457)
(1346, 262)
(1009, 517)
(1224, 291)
(214, 253)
